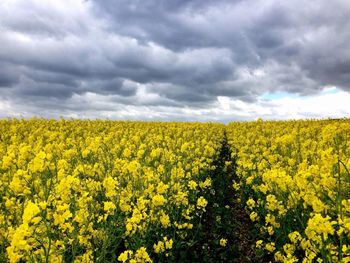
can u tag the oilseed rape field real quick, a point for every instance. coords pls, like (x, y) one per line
(122, 191)
(294, 180)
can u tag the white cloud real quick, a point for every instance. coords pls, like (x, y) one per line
(324, 105)
(330, 103)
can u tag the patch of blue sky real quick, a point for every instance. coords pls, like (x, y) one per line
(277, 95)
(283, 94)
(330, 90)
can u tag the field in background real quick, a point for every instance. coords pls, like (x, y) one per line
(109, 191)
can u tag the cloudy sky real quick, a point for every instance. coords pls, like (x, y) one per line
(195, 60)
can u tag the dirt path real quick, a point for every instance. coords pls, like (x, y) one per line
(226, 218)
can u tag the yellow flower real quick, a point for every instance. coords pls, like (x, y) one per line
(318, 226)
(159, 247)
(39, 162)
(259, 244)
(111, 186)
(30, 211)
(236, 186)
(223, 242)
(161, 188)
(168, 243)
(141, 255)
(129, 227)
(270, 246)
(158, 200)
(201, 203)
(192, 185)
(205, 184)
(294, 237)
(251, 203)
(253, 216)
(109, 206)
(124, 256)
(270, 230)
(165, 220)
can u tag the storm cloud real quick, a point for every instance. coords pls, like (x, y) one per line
(168, 59)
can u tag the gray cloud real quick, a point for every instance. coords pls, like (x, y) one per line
(177, 54)
(8, 76)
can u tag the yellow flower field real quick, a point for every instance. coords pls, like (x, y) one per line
(114, 191)
(102, 191)
(293, 177)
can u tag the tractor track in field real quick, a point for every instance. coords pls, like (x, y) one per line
(225, 218)
(241, 236)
